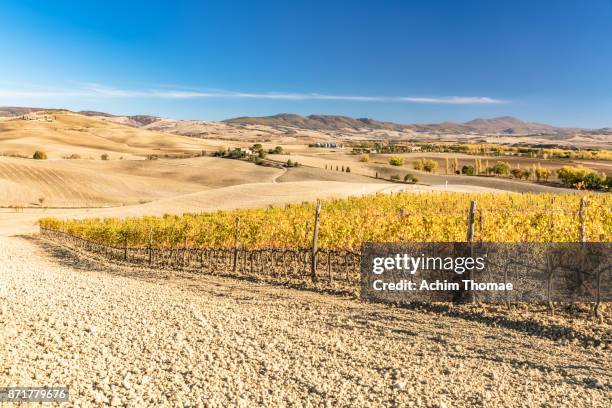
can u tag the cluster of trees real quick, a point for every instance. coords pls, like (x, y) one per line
(259, 152)
(521, 174)
(490, 149)
(346, 169)
(239, 153)
(541, 173)
(291, 163)
(276, 150)
(408, 178)
(502, 168)
(582, 177)
(236, 153)
(571, 176)
(427, 165)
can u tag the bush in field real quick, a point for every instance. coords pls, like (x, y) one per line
(104, 156)
(39, 155)
(579, 176)
(526, 174)
(411, 178)
(520, 174)
(365, 158)
(236, 153)
(595, 181)
(427, 165)
(570, 175)
(348, 169)
(276, 150)
(501, 168)
(396, 160)
(467, 170)
(542, 174)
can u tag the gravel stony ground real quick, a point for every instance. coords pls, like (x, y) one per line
(130, 338)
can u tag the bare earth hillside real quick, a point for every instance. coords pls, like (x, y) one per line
(69, 133)
(91, 183)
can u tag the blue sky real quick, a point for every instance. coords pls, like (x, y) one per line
(405, 61)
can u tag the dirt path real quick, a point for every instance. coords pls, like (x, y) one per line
(275, 178)
(152, 340)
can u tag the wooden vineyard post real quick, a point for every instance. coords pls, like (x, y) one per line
(480, 224)
(471, 218)
(346, 268)
(470, 240)
(236, 243)
(582, 218)
(596, 310)
(185, 252)
(150, 247)
(329, 266)
(125, 247)
(583, 240)
(315, 239)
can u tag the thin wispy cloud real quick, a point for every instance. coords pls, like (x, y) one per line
(94, 90)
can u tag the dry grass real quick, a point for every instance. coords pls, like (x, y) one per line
(89, 183)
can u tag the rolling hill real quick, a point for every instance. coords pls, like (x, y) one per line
(68, 133)
(92, 183)
(12, 111)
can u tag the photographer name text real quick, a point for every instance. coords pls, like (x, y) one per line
(466, 284)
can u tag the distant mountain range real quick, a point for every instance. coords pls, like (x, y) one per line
(505, 125)
(501, 125)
